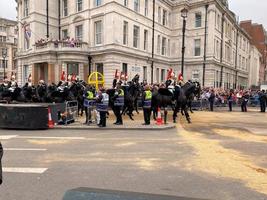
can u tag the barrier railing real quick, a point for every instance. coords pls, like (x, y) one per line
(71, 112)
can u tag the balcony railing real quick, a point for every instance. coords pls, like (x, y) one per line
(61, 46)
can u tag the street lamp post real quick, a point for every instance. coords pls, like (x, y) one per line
(4, 55)
(184, 12)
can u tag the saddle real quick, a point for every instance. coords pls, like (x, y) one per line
(165, 92)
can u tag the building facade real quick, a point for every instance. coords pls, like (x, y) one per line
(118, 34)
(259, 39)
(8, 41)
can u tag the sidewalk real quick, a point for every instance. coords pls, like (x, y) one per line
(128, 124)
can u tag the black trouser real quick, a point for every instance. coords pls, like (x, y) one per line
(117, 112)
(1, 154)
(230, 104)
(244, 106)
(103, 118)
(263, 106)
(211, 105)
(147, 114)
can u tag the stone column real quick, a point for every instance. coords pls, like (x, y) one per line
(51, 73)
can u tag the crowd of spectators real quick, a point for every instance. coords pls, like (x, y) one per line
(222, 95)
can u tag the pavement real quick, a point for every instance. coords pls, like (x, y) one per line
(219, 156)
(128, 124)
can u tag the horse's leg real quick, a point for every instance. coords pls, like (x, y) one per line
(165, 115)
(190, 106)
(187, 114)
(176, 110)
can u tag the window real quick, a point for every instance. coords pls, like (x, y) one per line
(163, 75)
(157, 75)
(125, 33)
(197, 47)
(158, 45)
(98, 2)
(125, 68)
(2, 28)
(125, 3)
(65, 33)
(146, 7)
(2, 38)
(25, 73)
(163, 47)
(26, 8)
(99, 68)
(79, 5)
(164, 18)
(159, 14)
(65, 8)
(98, 32)
(198, 20)
(145, 73)
(145, 39)
(136, 5)
(73, 68)
(136, 33)
(79, 32)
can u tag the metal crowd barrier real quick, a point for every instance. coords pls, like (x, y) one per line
(71, 111)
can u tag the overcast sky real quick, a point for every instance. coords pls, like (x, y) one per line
(245, 9)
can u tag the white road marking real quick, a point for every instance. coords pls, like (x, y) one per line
(7, 137)
(56, 138)
(23, 149)
(24, 170)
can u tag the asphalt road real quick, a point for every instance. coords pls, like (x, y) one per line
(192, 162)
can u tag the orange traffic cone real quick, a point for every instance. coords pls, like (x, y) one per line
(159, 118)
(50, 121)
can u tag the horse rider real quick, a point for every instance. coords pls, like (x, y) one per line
(147, 102)
(118, 104)
(89, 102)
(102, 101)
(181, 80)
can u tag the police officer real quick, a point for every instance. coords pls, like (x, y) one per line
(262, 98)
(102, 101)
(89, 102)
(118, 104)
(212, 99)
(147, 100)
(1, 154)
(244, 103)
(230, 99)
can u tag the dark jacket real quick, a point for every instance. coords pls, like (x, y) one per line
(1, 154)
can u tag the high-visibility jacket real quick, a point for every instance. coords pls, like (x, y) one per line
(147, 99)
(103, 105)
(119, 101)
(89, 100)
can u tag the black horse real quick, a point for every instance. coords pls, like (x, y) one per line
(182, 96)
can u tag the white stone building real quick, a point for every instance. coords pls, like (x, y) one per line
(255, 63)
(117, 34)
(8, 41)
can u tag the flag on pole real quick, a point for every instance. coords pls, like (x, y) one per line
(27, 31)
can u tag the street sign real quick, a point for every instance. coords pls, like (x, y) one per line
(97, 79)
